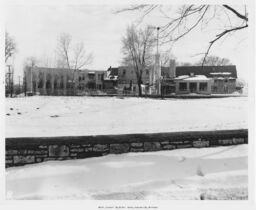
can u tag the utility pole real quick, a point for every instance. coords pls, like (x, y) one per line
(157, 40)
(12, 83)
(9, 85)
(31, 79)
(19, 85)
(157, 52)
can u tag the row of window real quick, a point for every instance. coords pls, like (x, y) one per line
(91, 76)
(183, 86)
(124, 72)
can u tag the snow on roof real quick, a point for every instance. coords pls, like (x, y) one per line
(182, 77)
(91, 72)
(111, 78)
(192, 78)
(220, 73)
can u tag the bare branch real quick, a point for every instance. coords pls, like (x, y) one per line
(219, 36)
(64, 42)
(244, 17)
(10, 46)
(132, 8)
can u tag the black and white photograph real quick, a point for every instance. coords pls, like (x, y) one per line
(135, 102)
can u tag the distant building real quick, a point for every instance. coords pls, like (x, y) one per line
(177, 80)
(123, 79)
(206, 79)
(58, 81)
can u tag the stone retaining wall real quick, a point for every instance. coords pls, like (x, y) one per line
(21, 151)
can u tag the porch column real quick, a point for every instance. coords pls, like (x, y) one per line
(52, 83)
(197, 87)
(44, 83)
(58, 85)
(36, 81)
(65, 84)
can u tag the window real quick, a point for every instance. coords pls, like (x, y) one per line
(124, 72)
(147, 72)
(182, 86)
(99, 76)
(91, 76)
(203, 86)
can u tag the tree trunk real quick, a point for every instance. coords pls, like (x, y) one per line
(139, 85)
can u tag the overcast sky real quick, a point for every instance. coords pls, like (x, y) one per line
(36, 28)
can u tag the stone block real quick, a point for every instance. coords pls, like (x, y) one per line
(19, 159)
(11, 152)
(225, 141)
(89, 149)
(47, 159)
(16, 152)
(238, 141)
(119, 148)
(77, 150)
(199, 144)
(165, 142)
(37, 152)
(39, 160)
(43, 147)
(246, 140)
(8, 157)
(73, 154)
(86, 145)
(169, 147)
(186, 142)
(176, 142)
(136, 150)
(58, 151)
(152, 146)
(42, 156)
(181, 146)
(137, 144)
(8, 161)
(75, 146)
(100, 148)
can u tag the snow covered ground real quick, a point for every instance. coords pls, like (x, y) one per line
(206, 173)
(60, 116)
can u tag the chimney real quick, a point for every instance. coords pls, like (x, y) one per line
(172, 69)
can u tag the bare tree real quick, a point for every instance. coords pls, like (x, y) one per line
(184, 64)
(63, 49)
(189, 17)
(30, 61)
(137, 47)
(71, 57)
(80, 57)
(165, 58)
(10, 46)
(214, 61)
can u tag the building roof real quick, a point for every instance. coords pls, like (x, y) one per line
(208, 71)
(113, 71)
(193, 78)
(47, 69)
